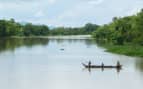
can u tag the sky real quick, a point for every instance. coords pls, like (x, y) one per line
(68, 13)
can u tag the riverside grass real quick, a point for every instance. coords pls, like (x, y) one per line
(129, 50)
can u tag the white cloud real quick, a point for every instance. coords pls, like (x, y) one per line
(16, 5)
(134, 11)
(75, 12)
(78, 15)
(39, 14)
(68, 12)
(51, 1)
(138, 5)
(95, 2)
(8, 5)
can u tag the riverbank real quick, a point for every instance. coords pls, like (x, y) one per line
(57, 37)
(129, 50)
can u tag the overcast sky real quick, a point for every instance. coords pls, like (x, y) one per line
(67, 12)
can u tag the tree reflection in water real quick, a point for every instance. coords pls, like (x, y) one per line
(13, 43)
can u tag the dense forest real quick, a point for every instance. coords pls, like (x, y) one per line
(122, 31)
(11, 28)
(87, 29)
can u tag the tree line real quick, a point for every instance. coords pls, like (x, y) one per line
(123, 30)
(87, 29)
(11, 28)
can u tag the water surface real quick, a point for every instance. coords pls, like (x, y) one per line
(41, 63)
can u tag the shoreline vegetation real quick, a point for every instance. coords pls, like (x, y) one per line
(57, 37)
(128, 50)
(9, 28)
(124, 35)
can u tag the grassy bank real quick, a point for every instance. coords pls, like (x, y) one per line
(129, 50)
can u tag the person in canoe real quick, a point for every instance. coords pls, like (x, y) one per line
(118, 64)
(89, 63)
(102, 65)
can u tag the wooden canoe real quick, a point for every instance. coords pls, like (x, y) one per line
(101, 66)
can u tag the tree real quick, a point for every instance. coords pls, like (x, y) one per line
(122, 30)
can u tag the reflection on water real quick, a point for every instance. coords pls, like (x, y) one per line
(37, 63)
(12, 43)
(139, 64)
(102, 69)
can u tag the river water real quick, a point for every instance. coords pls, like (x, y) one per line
(41, 63)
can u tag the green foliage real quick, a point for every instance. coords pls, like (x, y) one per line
(122, 30)
(87, 29)
(12, 28)
(35, 30)
(130, 50)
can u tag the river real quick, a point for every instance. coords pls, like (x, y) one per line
(41, 63)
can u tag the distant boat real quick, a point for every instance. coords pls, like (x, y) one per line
(62, 49)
